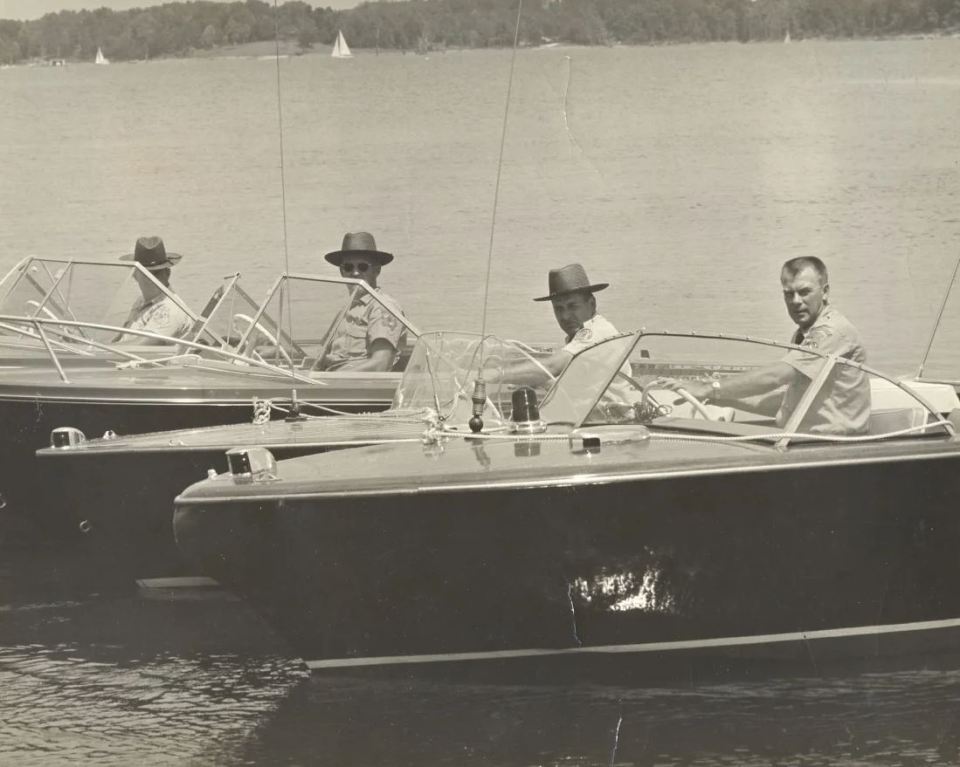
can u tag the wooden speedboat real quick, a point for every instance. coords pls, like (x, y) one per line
(615, 525)
(91, 375)
(119, 490)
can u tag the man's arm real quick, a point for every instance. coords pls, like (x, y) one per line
(380, 358)
(766, 381)
(529, 374)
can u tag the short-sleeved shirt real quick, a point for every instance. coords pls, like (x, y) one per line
(843, 404)
(598, 328)
(161, 315)
(365, 321)
(594, 330)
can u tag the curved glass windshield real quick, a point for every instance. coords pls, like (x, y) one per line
(623, 380)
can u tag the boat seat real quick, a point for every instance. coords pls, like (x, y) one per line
(885, 421)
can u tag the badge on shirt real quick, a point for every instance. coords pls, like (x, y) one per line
(584, 335)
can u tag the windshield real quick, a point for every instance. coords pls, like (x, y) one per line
(619, 381)
(444, 366)
(304, 318)
(81, 295)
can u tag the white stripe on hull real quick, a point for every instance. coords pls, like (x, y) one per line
(648, 647)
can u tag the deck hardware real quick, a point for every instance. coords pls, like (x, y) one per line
(251, 463)
(67, 436)
(525, 412)
(85, 526)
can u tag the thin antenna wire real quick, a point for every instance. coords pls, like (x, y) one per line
(936, 325)
(496, 192)
(283, 180)
(283, 188)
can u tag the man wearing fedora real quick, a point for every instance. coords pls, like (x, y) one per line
(368, 336)
(155, 311)
(574, 305)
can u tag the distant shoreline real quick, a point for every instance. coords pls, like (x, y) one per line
(287, 49)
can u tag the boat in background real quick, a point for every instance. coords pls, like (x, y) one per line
(120, 490)
(100, 58)
(340, 48)
(611, 527)
(239, 354)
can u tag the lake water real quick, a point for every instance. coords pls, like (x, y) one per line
(682, 175)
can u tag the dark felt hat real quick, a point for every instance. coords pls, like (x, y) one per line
(569, 279)
(150, 254)
(359, 244)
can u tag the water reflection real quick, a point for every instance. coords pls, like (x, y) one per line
(195, 678)
(895, 719)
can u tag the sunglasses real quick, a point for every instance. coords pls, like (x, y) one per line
(360, 267)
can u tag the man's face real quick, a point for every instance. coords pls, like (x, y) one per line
(360, 268)
(573, 310)
(147, 287)
(804, 295)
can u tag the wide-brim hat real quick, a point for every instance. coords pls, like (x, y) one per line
(359, 244)
(569, 279)
(150, 253)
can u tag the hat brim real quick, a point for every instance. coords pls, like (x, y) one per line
(172, 260)
(336, 256)
(587, 288)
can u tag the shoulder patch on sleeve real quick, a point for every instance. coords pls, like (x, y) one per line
(584, 335)
(817, 337)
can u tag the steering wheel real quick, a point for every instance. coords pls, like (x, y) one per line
(266, 334)
(698, 407)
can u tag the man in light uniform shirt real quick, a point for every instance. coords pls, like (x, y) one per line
(842, 406)
(368, 337)
(575, 307)
(155, 311)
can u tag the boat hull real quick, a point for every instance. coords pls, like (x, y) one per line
(35, 507)
(801, 565)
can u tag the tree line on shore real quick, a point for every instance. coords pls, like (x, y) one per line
(183, 28)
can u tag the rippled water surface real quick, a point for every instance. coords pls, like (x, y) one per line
(682, 175)
(175, 677)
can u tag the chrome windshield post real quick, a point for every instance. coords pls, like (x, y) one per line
(50, 351)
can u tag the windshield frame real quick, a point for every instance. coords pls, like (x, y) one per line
(830, 361)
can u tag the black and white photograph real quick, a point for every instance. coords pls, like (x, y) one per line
(515, 383)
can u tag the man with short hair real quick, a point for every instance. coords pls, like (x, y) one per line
(842, 406)
(368, 336)
(155, 311)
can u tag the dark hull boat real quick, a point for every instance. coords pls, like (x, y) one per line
(119, 491)
(240, 361)
(625, 535)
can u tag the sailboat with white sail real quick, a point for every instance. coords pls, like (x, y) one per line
(340, 48)
(101, 59)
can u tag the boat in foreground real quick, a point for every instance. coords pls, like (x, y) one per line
(614, 526)
(119, 490)
(70, 361)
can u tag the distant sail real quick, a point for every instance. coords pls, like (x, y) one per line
(340, 48)
(101, 59)
(786, 37)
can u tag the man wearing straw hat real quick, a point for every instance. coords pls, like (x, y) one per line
(155, 311)
(368, 336)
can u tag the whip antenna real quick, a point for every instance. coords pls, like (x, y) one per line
(283, 195)
(496, 189)
(479, 396)
(936, 325)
